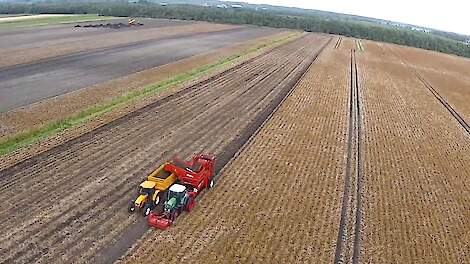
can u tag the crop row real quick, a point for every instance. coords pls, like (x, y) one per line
(416, 183)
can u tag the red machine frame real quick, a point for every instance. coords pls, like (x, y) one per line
(197, 173)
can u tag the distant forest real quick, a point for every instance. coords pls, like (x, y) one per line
(268, 18)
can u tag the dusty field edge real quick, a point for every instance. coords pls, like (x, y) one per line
(24, 145)
(231, 152)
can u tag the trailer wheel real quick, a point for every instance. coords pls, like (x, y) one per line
(173, 215)
(147, 209)
(211, 183)
(132, 208)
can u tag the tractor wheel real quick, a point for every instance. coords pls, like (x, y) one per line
(211, 183)
(147, 209)
(190, 205)
(173, 215)
(132, 208)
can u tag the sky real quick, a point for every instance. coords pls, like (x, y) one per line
(449, 15)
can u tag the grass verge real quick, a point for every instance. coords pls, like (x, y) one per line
(35, 135)
(42, 21)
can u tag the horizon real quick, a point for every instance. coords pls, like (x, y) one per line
(455, 22)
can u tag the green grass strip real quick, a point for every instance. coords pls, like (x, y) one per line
(48, 130)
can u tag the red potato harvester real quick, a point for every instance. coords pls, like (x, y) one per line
(193, 176)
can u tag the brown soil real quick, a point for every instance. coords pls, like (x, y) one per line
(279, 200)
(448, 74)
(416, 160)
(33, 51)
(61, 107)
(81, 189)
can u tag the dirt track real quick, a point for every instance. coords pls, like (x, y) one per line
(25, 84)
(81, 189)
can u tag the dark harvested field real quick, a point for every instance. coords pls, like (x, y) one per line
(25, 84)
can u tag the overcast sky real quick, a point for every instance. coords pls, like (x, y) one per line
(449, 15)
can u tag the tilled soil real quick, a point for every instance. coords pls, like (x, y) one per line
(32, 36)
(60, 107)
(81, 189)
(26, 45)
(22, 85)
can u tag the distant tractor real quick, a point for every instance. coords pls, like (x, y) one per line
(152, 188)
(132, 22)
(193, 176)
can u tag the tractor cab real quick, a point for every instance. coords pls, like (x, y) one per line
(147, 188)
(178, 199)
(176, 196)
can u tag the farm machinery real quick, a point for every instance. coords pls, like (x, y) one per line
(152, 188)
(131, 22)
(192, 177)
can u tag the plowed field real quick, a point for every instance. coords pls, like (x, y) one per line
(87, 62)
(82, 188)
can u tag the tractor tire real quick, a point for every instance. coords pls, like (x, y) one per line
(211, 183)
(173, 215)
(190, 204)
(132, 208)
(147, 209)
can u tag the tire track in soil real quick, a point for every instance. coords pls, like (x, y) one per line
(348, 251)
(436, 95)
(338, 42)
(105, 211)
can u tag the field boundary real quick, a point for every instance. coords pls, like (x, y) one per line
(41, 133)
(353, 174)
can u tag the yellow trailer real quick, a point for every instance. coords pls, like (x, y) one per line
(150, 190)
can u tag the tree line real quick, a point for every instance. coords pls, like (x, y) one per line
(322, 24)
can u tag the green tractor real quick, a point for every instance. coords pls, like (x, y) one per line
(179, 198)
